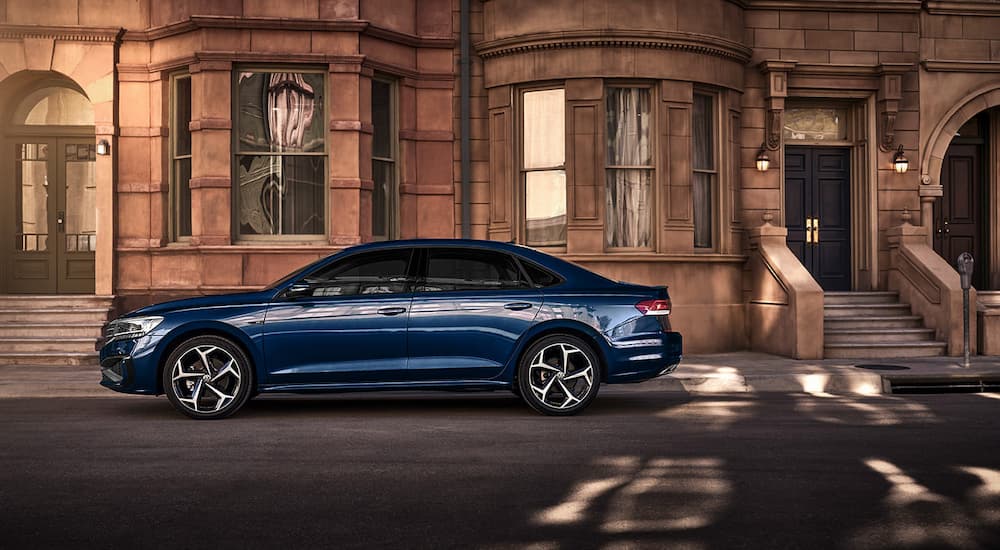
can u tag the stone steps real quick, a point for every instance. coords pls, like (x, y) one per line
(874, 325)
(51, 330)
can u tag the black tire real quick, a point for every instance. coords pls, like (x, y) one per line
(234, 381)
(531, 380)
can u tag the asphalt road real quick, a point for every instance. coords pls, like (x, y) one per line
(639, 469)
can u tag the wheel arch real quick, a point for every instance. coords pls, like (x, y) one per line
(205, 328)
(560, 326)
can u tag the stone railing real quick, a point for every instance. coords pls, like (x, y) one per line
(786, 303)
(930, 285)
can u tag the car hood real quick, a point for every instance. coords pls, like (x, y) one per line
(218, 300)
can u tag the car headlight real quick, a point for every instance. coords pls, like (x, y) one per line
(131, 327)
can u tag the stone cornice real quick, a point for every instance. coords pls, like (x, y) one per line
(839, 5)
(198, 22)
(62, 32)
(948, 7)
(943, 66)
(668, 40)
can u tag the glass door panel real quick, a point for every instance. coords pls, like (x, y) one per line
(76, 216)
(32, 254)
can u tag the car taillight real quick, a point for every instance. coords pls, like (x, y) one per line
(654, 307)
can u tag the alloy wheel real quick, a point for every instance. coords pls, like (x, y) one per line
(206, 379)
(560, 376)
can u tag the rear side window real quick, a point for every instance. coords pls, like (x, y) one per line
(463, 269)
(540, 277)
(382, 272)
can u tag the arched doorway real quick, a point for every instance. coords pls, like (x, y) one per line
(48, 164)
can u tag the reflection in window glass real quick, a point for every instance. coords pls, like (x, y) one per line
(470, 270)
(815, 124)
(543, 167)
(383, 160)
(32, 201)
(180, 132)
(281, 159)
(381, 272)
(629, 168)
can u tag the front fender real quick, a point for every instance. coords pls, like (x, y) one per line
(249, 343)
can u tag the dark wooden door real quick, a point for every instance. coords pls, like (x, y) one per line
(958, 215)
(818, 212)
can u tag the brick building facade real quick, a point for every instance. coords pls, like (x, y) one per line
(203, 147)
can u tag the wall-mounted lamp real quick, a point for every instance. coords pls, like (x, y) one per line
(899, 162)
(103, 148)
(762, 161)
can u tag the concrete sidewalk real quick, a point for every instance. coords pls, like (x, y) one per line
(738, 372)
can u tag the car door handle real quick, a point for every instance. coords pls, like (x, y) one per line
(391, 310)
(517, 306)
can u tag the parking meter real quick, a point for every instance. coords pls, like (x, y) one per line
(965, 264)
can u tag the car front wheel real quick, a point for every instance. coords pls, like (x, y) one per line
(207, 377)
(559, 375)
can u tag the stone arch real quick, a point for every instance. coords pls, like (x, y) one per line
(940, 138)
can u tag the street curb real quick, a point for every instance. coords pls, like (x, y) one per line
(859, 383)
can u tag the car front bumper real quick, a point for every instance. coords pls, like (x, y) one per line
(126, 366)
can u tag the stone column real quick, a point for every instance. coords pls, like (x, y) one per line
(350, 144)
(211, 134)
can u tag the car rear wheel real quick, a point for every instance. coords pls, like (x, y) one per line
(559, 375)
(207, 377)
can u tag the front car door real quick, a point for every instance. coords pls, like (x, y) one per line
(344, 324)
(470, 307)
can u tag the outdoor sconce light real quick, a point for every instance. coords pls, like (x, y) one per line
(763, 162)
(103, 148)
(899, 162)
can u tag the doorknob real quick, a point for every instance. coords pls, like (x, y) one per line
(815, 230)
(61, 220)
(809, 229)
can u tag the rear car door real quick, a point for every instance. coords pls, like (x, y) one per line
(470, 307)
(345, 324)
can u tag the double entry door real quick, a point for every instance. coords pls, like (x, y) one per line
(55, 215)
(817, 212)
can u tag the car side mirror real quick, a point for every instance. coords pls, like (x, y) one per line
(298, 290)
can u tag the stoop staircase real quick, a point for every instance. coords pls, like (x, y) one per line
(51, 330)
(874, 325)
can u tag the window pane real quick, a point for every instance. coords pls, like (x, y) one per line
(702, 196)
(544, 129)
(382, 119)
(627, 208)
(281, 195)
(33, 197)
(469, 270)
(381, 272)
(182, 182)
(703, 133)
(384, 175)
(182, 117)
(815, 124)
(545, 207)
(540, 277)
(81, 199)
(628, 131)
(280, 112)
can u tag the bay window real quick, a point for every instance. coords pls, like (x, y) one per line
(705, 170)
(280, 153)
(629, 168)
(543, 167)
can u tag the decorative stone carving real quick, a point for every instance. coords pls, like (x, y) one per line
(890, 92)
(777, 90)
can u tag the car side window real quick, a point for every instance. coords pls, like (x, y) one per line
(541, 277)
(463, 269)
(381, 272)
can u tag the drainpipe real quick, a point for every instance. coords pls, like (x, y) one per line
(465, 145)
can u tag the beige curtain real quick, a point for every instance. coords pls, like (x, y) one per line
(629, 176)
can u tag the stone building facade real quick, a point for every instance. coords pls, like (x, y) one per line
(203, 147)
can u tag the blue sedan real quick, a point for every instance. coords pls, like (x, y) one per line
(400, 315)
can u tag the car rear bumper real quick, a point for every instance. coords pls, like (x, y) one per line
(639, 359)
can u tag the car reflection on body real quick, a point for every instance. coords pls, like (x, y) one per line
(400, 315)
